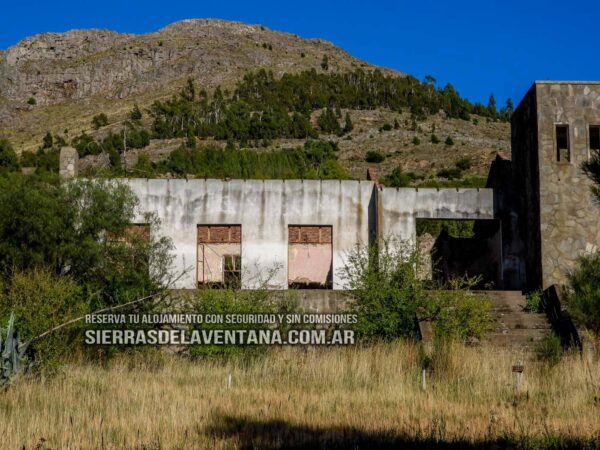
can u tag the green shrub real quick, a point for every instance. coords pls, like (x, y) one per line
(463, 164)
(454, 228)
(416, 141)
(434, 139)
(388, 294)
(328, 122)
(374, 156)
(135, 114)
(385, 127)
(533, 302)
(584, 292)
(99, 121)
(32, 101)
(230, 301)
(449, 141)
(549, 349)
(458, 313)
(397, 178)
(385, 290)
(41, 301)
(9, 161)
(450, 174)
(348, 125)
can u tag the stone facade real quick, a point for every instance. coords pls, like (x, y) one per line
(68, 163)
(559, 219)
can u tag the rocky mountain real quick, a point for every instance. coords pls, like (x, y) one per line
(56, 67)
(58, 81)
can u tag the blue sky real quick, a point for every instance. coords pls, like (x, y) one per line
(479, 46)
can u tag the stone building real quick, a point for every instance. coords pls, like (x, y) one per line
(533, 221)
(543, 194)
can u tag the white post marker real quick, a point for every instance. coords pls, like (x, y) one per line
(424, 379)
(229, 382)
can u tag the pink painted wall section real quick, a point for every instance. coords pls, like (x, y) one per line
(210, 260)
(309, 263)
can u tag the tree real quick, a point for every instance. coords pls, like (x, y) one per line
(9, 160)
(348, 125)
(136, 114)
(48, 141)
(99, 121)
(584, 295)
(80, 230)
(507, 111)
(397, 178)
(328, 122)
(325, 63)
(491, 106)
(429, 80)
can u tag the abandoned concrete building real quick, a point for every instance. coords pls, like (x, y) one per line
(533, 220)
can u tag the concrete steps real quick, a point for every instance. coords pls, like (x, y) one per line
(515, 326)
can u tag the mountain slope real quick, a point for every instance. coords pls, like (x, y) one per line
(75, 75)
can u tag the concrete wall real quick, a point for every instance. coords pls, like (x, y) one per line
(264, 209)
(569, 219)
(399, 208)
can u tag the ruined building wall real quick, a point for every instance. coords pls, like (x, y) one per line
(525, 195)
(569, 219)
(399, 208)
(264, 209)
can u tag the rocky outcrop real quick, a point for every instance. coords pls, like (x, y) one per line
(80, 64)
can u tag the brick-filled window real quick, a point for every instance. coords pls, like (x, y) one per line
(563, 149)
(219, 234)
(310, 235)
(595, 137)
(310, 256)
(219, 255)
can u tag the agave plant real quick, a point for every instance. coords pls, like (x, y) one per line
(12, 353)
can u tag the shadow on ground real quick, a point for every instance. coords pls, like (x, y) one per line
(273, 434)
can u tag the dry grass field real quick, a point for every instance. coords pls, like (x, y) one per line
(306, 398)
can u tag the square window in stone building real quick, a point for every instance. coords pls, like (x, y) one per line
(310, 257)
(563, 149)
(219, 255)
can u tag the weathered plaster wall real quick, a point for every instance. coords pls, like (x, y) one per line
(569, 219)
(264, 209)
(309, 263)
(399, 208)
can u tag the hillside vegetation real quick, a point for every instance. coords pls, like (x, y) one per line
(282, 93)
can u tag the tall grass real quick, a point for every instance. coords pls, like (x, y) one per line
(307, 398)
